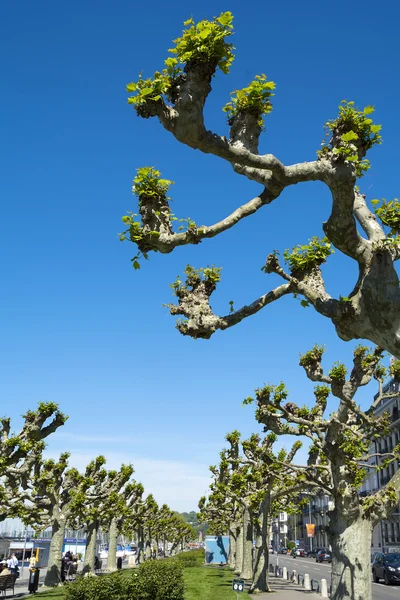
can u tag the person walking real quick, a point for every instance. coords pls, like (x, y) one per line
(12, 563)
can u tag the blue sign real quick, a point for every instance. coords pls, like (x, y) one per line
(74, 541)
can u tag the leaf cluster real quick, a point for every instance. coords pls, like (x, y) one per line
(254, 99)
(205, 43)
(350, 135)
(194, 276)
(307, 257)
(202, 43)
(389, 214)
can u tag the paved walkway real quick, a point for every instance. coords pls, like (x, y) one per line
(286, 590)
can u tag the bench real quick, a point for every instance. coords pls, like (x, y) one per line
(7, 582)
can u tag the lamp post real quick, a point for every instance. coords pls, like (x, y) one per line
(309, 514)
(23, 553)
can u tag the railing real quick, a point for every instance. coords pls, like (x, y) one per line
(300, 579)
(385, 480)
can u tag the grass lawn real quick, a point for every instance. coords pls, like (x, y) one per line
(209, 583)
(57, 592)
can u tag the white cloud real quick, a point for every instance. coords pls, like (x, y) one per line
(176, 483)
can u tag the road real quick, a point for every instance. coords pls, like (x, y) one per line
(323, 571)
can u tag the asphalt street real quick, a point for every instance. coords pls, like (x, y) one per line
(380, 591)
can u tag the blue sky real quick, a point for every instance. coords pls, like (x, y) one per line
(79, 326)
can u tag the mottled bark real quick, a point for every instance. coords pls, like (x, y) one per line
(350, 539)
(239, 549)
(247, 569)
(53, 575)
(112, 546)
(232, 545)
(261, 527)
(90, 553)
(148, 548)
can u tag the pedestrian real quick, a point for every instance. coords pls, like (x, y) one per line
(12, 563)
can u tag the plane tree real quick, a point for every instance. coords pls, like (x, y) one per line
(20, 452)
(260, 481)
(118, 509)
(341, 452)
(222, 513)
(92, 504)
(368, 233)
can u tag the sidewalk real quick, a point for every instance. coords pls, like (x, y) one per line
(286, 590)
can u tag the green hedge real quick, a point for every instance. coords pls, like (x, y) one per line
(102, 587)
(153, 580)
(159, 580)
(192, 558)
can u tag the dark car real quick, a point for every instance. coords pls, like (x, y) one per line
(323, 555)
(386, 567)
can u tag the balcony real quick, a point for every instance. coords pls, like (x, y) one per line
(395, 416)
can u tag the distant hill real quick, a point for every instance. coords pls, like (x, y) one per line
(191, 517)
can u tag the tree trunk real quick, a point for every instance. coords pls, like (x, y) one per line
(90, 553)
(239, 549)
(351, 557)
(53, 575)
(148, 548)
(232, 546)
(260, 573)
(112, 546)
(247, 570)
(165, 546)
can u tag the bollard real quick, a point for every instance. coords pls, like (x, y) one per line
(307, 584)
(284, 573)
(324, 588)
(294, 575)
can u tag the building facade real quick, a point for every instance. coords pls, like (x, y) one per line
(387, 533)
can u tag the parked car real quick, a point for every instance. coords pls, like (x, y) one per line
(323, 555)
(282, 551)
(271, 550)
(313, 553)
(386, 567)
(300, 552)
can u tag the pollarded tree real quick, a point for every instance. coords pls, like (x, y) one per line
(223, 514)
(339, 456)
(119, 509)
(263, 483)
(54, 489)
(20, 451)
(176, 96)
(91, 505)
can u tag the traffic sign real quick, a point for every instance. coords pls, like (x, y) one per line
(238, 585)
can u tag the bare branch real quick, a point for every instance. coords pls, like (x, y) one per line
(367, 219)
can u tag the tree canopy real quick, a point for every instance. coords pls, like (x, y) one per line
(367, 232)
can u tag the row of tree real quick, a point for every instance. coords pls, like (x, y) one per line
(48, 493)
(253, 483)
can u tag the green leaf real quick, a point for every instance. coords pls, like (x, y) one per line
(369, 110)
(189, 22)
(350, 135)
(136, 265)
(375, 201)
(131, 87)
(146, 91)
